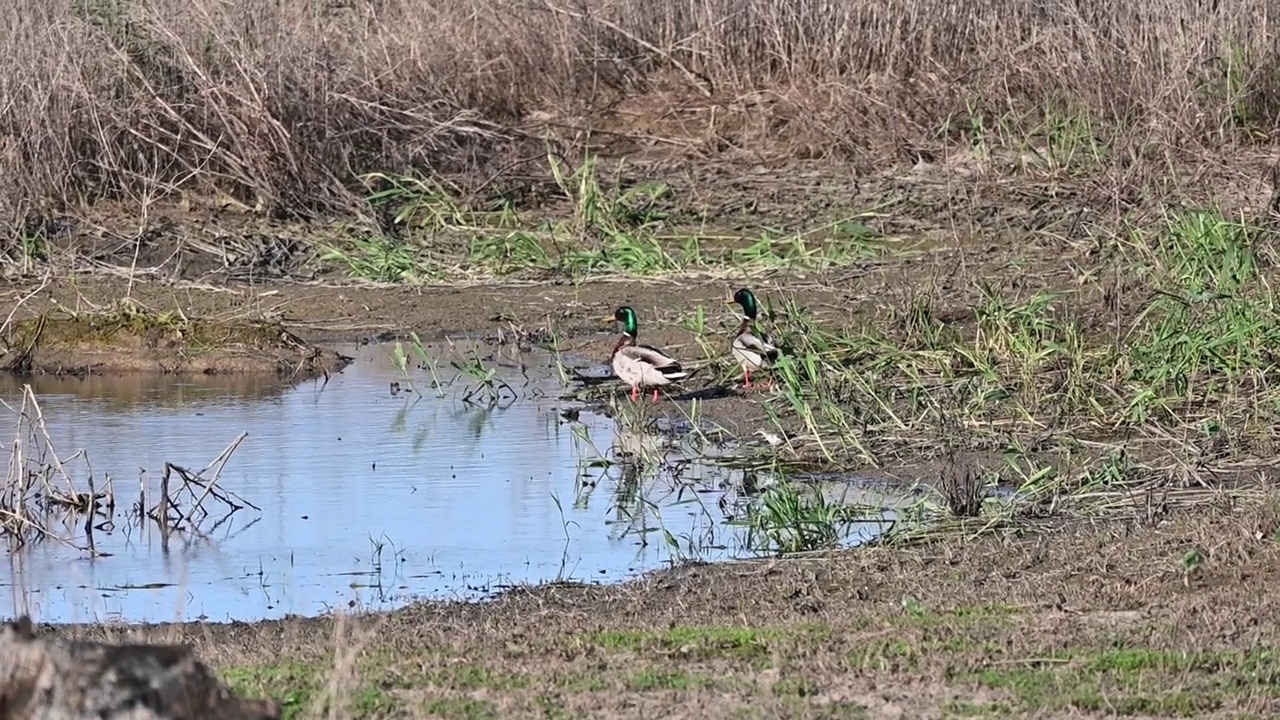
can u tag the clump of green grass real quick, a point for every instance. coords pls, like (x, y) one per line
(293, 685)
(484, 386)
(790, 518)
(1211, 325)
(606, 230)
(382, 259)
(1133, 681)
(707, 642)
(400, 359)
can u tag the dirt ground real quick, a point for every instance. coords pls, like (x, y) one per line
(78, 344)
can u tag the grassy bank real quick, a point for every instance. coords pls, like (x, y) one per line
(1096, 620)
(1134, 376)
(280, 106)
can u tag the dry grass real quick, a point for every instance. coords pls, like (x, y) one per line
(281, 104)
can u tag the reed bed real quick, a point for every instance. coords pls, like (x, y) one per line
(280, 105)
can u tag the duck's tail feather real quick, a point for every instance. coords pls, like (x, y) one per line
(674, 372)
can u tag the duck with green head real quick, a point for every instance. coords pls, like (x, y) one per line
(753, 350)
(641, 365)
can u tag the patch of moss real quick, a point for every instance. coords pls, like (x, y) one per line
(293, 685)
(666, 679)
(578, 682)
(964, 615)
(297, 686)
(550, 707)
(436, 670)
(130, 338)
(963, 709)
(798, 686)
(128, 325)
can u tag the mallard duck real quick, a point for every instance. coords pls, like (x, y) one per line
(640, 365)
(753, 350)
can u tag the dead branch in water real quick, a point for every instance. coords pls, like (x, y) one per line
(45, 495)
(191, 481)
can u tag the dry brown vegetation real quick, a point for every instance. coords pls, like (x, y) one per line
(282, 104)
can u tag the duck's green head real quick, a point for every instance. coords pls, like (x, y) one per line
(747, 300)
(627, 317)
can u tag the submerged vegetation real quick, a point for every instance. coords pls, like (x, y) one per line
(52, 497)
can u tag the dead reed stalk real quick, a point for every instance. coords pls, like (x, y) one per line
(198, 486)
(280, 105)
(31, 501)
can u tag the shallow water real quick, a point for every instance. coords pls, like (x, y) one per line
(369, 496)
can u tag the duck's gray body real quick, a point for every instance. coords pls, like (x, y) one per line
(641, 366)
(754, 352)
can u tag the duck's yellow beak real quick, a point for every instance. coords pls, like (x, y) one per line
(609, 319)
(730, 301)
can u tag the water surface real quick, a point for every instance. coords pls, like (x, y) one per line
(369, 494)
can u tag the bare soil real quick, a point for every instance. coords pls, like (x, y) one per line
(1087, 620)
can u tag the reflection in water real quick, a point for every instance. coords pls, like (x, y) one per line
(367, 495)
(153, 389)
(659, 484)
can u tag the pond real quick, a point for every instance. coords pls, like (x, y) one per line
(366, 490)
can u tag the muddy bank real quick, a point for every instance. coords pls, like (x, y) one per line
(129, 340)
(725, 202)
(1159, 619)
(343, 317)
